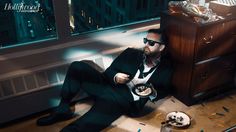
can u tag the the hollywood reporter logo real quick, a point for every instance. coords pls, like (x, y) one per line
(22, 7)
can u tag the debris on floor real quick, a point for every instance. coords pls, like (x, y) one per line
(226, 109)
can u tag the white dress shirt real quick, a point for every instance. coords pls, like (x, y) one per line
(136, 80)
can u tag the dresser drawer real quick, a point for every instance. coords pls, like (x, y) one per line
(212, 74)
(221, 47)
(215, 40)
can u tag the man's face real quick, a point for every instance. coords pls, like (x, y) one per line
(156, 48)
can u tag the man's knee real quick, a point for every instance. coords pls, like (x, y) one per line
(78, 66)
(69, 128)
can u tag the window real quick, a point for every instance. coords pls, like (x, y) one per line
(98, 3)
(119, 18)
(108, 10)
(141, 4)
(24, 22)
(121, 3)
(34, 21)
(98, 16)
(117, 11)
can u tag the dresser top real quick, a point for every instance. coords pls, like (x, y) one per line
(180, 16)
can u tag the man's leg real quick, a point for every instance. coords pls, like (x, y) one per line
(78, 74)
(100, 116)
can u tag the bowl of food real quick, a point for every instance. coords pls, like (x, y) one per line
(143, 90)
(178, 119)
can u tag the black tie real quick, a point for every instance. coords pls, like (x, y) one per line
(144, 74)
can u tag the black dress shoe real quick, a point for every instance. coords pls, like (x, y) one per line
(53, 118)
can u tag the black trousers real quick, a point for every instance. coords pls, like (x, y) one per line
(107, 106)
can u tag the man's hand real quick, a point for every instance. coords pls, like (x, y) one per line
(121, 78)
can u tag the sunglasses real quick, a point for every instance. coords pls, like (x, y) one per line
(151, 42)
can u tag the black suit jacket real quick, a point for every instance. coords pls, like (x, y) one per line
(128, 62)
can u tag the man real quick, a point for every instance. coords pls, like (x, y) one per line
(113, 90)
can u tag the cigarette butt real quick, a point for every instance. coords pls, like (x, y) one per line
(226, 109)
(172, 100)
(202, 105)
(220, 114)
(142, 123)
(213, 114)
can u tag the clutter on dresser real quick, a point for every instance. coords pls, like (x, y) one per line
(199, 13)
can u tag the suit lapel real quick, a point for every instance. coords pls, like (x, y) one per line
(155, 78)
(134, 64)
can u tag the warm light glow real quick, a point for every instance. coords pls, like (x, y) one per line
(76, 53)
(121, 38)
(129, 38)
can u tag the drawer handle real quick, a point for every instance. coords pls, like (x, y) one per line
(209, 40)
(204, 76)
(229, 67)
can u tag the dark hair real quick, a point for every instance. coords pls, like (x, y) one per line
(160, 32)
(156, 31)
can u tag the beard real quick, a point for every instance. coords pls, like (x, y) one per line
(146, 51)
(149, 53)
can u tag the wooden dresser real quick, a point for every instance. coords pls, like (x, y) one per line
(204, 56)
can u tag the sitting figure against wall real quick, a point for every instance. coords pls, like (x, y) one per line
(132, 79)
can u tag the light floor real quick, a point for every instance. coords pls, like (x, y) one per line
(204, 117)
